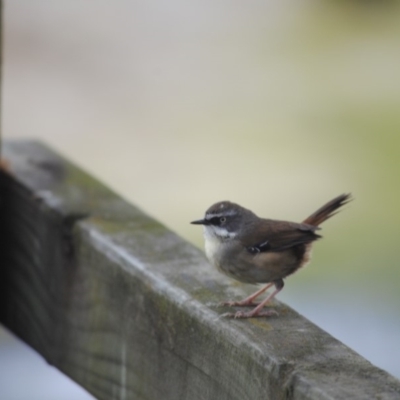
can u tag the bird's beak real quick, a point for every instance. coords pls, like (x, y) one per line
(200, 222)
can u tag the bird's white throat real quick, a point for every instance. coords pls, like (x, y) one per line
(213, 238)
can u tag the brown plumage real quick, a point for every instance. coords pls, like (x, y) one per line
(257, 250)
(328, 210)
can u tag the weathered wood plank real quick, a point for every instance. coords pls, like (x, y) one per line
(130, 311)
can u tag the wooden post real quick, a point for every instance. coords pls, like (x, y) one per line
(129, 310)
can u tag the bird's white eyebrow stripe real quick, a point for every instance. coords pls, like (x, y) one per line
(221, 214)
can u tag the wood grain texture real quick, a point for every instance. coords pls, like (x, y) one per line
(129, 310)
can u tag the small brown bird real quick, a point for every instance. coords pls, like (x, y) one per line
(257, 250)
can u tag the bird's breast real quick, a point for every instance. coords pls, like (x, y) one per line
(223, 256)
(212, 247)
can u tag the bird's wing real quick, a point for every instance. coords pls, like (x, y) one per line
(278, 236)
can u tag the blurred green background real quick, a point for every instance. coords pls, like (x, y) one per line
(278, 106)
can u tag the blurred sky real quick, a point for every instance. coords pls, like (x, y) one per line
(279, 106)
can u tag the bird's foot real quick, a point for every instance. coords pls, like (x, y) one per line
(243, 303)
(250, 314)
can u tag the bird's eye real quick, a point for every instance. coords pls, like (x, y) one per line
(222, 220)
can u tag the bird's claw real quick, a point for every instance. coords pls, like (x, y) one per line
(238, 304)
(251, 314)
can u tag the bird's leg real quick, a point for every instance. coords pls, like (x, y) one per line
(256, 312)
(248, 301)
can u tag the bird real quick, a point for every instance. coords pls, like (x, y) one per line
(257, 250)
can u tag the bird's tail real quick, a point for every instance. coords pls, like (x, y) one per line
(328, 210)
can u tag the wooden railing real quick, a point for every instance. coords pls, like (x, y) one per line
(129, 310)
